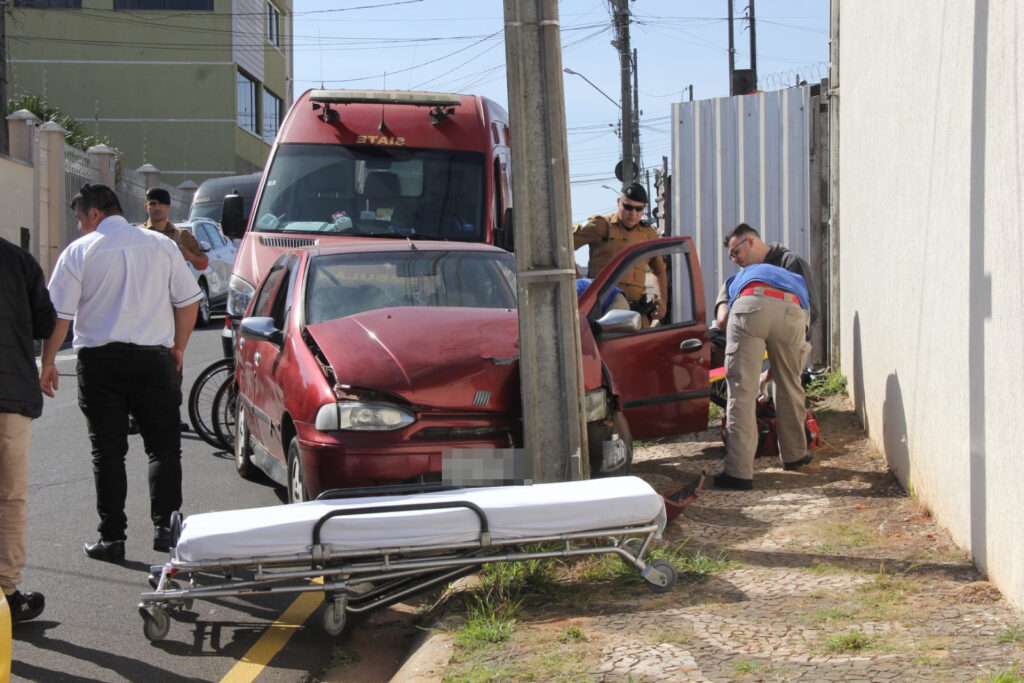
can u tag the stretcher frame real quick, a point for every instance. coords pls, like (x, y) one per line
(357, 581)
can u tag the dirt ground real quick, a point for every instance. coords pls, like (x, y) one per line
(827, 574)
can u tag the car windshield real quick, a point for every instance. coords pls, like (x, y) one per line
(340, 285)
(364, 190)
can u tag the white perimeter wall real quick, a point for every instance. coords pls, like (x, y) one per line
(932, 258)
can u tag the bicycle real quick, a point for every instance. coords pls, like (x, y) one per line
(202, 402)
(224, 415)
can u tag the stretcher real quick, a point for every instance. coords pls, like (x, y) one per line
(369, 552)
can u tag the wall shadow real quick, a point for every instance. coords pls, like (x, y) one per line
(894, 431)
(857, 378)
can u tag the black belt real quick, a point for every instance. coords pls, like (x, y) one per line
(125, 346)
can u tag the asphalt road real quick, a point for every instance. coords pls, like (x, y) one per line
(91, 629)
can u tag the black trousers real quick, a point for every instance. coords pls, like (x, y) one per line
(113, 381)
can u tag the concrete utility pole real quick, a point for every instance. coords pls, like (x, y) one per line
(753, 45)
(620, 11)
(550, 364)
(4, 141)
(732, 48)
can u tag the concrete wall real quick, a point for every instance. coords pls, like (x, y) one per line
(931, 202)
(16, 196)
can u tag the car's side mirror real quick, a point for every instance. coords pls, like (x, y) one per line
(205, 246)
(232, 218)
(260, 328)
(617, 321)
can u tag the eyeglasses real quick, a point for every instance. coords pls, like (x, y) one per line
(734, 252)
(632, 207)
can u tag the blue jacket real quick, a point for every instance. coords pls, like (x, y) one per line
(774, 276)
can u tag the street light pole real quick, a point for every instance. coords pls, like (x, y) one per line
(606, 95)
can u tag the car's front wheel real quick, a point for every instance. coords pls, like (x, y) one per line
(619, 456)
(203, 314)
(243, 451)
(297, 492)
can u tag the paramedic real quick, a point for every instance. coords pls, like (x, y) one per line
(133, 302)
(768, 304)
(28, 314)
(608, 235)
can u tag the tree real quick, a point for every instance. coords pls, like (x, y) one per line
(76, 133)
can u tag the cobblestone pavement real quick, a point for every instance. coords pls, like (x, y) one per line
(838, 576)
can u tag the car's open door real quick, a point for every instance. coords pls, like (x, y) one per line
(659, 374)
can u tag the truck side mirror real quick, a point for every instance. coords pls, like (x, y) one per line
(232, 219)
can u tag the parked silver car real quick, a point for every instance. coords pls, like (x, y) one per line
(213, 280)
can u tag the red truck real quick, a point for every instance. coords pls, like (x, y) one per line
(386, 164)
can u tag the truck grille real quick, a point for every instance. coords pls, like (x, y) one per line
(288, 242)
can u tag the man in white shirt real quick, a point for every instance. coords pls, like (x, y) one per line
(133, 302)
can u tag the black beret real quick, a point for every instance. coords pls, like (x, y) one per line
(159, 194)
(635, 191)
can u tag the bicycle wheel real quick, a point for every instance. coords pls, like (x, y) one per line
(201, 398)
(224, 414)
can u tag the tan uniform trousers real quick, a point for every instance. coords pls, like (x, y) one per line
(15, 442)
(756, 323)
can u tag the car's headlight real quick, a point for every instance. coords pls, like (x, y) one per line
(596, 406)
(367, 417)
(239, 295)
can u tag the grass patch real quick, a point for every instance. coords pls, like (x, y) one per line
(1014, 634)
(838, 535)
(1011, 675)
(524, 658)
(745, 666)
(693, 567)
(681, 636)
(489, 620)
(572, 634)
(829, 384)
(715, 414)
(850, 641)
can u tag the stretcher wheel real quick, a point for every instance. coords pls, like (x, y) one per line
(334, 617)
(634, 546)
(155, 623)
(663, 578)
(176, 521)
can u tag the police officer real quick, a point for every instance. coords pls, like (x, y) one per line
(608, 235)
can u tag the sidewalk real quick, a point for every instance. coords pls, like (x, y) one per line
(836, 576)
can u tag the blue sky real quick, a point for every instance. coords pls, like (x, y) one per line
(450, 46)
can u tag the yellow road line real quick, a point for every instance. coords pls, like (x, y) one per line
(274, 638)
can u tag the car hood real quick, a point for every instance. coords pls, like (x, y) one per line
(442, 358)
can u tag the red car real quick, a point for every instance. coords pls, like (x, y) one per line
(361, 364)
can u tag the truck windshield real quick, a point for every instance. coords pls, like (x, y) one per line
(363, 190)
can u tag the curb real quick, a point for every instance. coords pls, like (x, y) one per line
(428, 660)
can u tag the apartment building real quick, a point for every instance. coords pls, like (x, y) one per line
(196, 88)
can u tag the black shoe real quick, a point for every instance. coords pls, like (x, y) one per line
(183, 425)
(161, 539)
(106, 551)
(133, 426)
(791, 466)
(25, 606)
(725, 481)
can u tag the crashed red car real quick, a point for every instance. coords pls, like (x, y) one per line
(362, 364)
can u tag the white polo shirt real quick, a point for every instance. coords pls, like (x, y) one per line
(119, 284)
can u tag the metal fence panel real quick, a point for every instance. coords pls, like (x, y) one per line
(741, 159)
(131, 190)
(77, 172)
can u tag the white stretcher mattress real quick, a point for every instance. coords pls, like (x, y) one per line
(513, 512)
